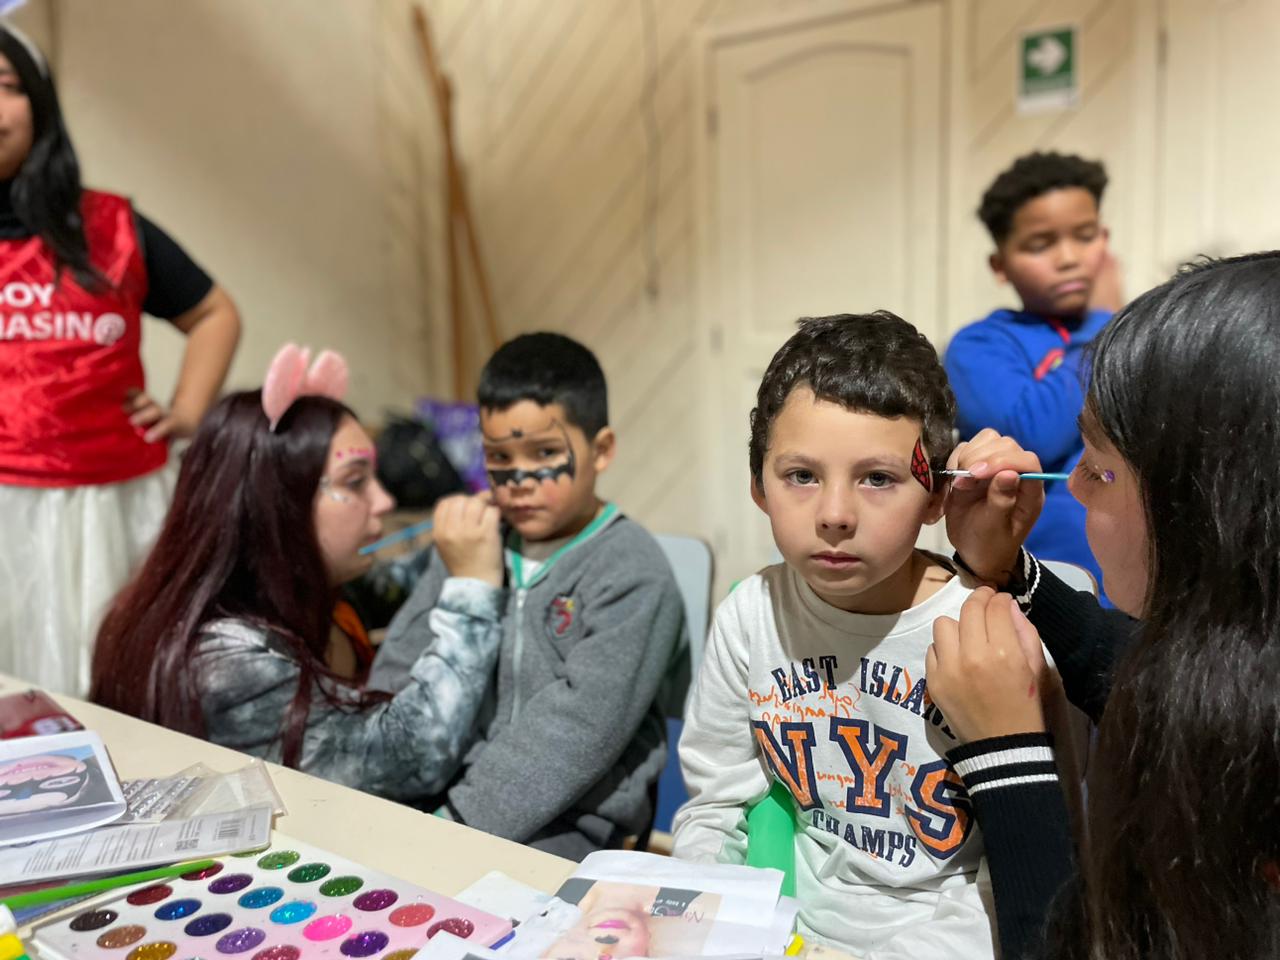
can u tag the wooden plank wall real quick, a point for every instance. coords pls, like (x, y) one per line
(576, 125)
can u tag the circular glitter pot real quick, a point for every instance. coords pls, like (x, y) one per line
(148, 895)
(238, 941)
(161, 950)
(295, 911)
(365, 944)
(177, 909)
(309, 872)
(118, 937)
(400, 955)
(93, 920)
(341, 886)
(279, 859)
(326, 928)
(412, 914)
(374, 900)
(284, 952)
(261, 897)
(231, 883)
(210, 871)
(455, 925)
(207, 925)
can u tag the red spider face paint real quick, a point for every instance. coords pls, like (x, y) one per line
(920, 467)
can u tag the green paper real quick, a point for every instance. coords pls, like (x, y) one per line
(771, 835)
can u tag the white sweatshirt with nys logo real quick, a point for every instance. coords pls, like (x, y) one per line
(833, 705)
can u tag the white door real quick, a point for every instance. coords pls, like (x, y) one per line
(822, 170)
(1221, 135)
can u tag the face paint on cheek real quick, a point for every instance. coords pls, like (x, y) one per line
(920, 467)
(514, 478)
(501, 478)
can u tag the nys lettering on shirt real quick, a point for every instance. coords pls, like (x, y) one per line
(28, 312)
(842, 717)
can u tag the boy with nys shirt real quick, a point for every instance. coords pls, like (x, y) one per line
(814, 673)
(591, 614)
(1019, 371)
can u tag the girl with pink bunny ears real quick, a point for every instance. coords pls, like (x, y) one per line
(228, 632)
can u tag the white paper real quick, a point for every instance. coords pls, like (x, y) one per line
(642, 905)
(749, 894)
(502, 896)
(137, 845)
(55, 786)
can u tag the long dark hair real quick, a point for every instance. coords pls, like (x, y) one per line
(1184, 818)
(46, 191)
(239, 541)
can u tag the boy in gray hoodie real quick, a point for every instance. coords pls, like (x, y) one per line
(572, 741)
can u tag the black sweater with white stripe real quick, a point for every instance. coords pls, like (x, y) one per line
(1013, 780)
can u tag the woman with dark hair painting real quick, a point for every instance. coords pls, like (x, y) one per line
(82, 446)
(227, 630)
(1180, 481)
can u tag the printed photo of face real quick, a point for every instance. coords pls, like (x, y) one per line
(605, 934)
(40, 783)
(621, 920)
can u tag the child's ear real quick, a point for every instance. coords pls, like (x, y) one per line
(757, 495)
(937, 503)
(996, 263)
(603, 448)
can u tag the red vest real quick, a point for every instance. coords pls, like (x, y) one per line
(69, 358)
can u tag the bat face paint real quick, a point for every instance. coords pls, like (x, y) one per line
(552, 473)
(920, 467)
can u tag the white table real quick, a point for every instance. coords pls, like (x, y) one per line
(406, 843)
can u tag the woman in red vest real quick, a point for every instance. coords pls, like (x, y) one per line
(83, 447)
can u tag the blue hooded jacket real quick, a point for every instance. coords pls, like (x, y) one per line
(1022, 375)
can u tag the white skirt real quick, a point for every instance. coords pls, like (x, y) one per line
(64, 554)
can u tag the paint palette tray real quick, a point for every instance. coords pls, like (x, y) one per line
(289, 902)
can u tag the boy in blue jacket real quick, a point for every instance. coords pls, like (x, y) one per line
(1018, 371)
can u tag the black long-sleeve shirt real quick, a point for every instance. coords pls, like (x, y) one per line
(1013, 781)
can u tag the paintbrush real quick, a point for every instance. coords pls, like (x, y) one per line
(953, 474)
(410, 531)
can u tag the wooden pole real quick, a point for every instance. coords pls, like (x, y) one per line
(458, 208)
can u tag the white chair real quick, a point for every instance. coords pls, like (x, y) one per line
(1075, 577)
(693, 565)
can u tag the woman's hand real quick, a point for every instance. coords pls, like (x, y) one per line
(467, 537)
(990, 514)
(986, 671)
(157, 422)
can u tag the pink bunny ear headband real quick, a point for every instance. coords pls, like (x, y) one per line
(288, 379)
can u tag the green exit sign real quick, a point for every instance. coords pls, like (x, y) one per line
(1049, 69)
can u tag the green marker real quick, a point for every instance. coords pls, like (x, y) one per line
(38, 898)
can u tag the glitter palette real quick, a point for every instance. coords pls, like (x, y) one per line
(290, 902)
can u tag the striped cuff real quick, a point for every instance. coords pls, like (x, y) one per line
(1024, 582)
(996, 762)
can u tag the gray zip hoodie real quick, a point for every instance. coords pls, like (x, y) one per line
(573, 740)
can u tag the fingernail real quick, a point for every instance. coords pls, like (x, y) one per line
(978, 466)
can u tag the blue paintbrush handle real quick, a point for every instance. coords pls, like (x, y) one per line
(1021, 476)
(408, 532)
